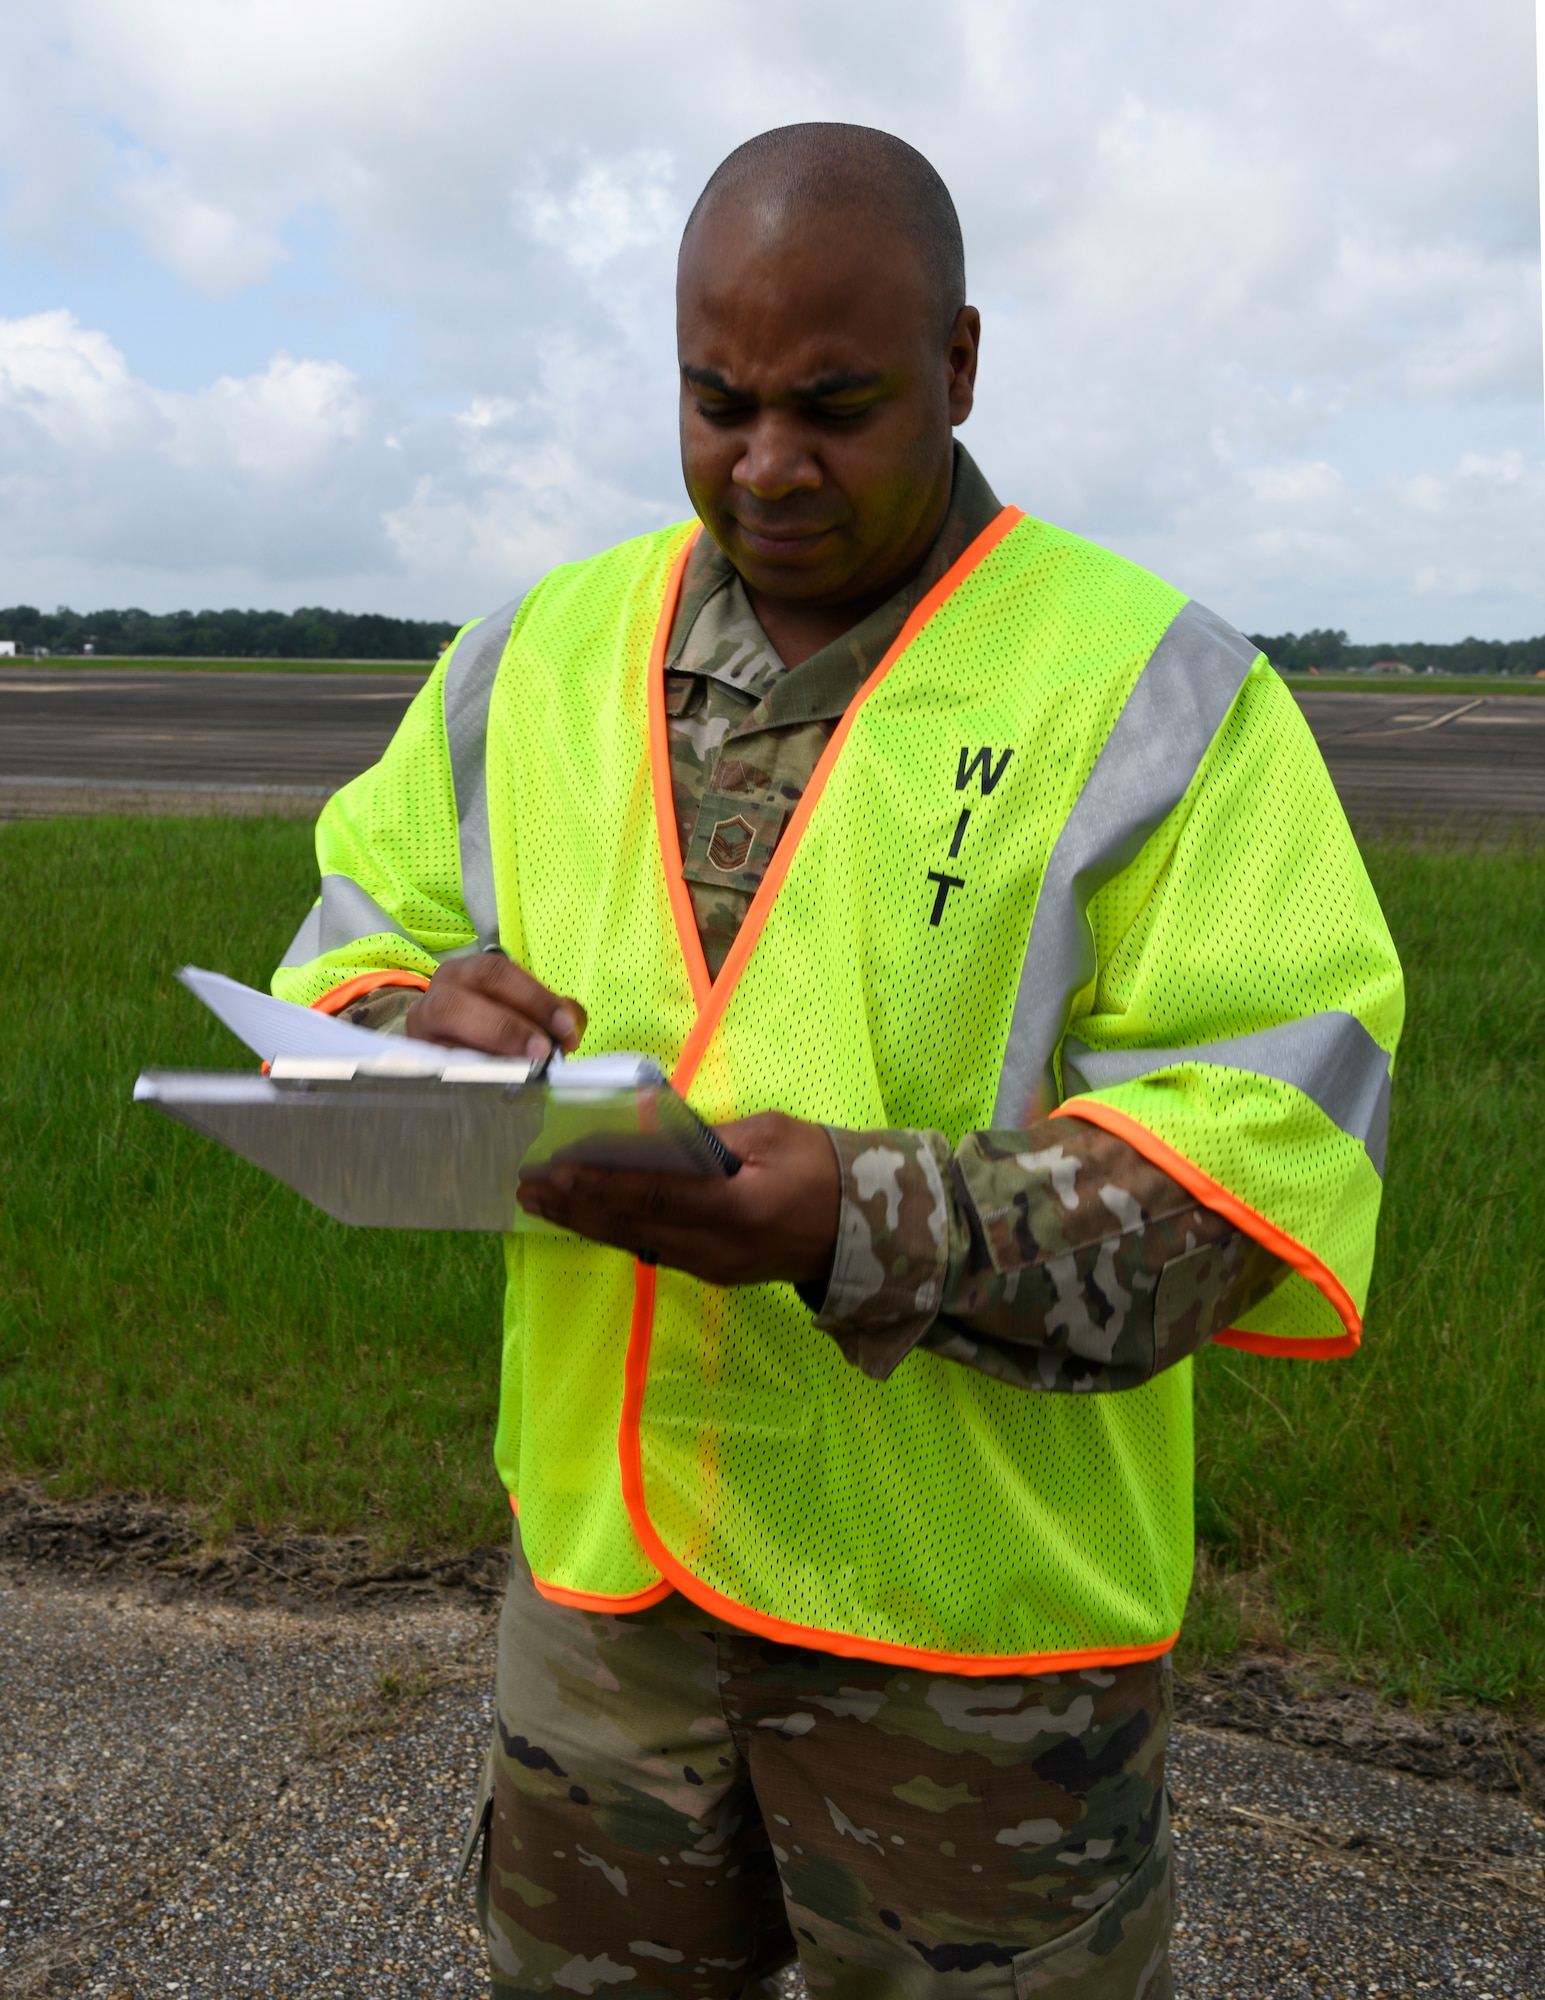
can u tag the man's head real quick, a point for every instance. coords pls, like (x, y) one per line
(826, 351)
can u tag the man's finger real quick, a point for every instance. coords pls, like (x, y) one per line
(468, 1019)
(488, 1002)
(553, 1014)
(692, 1200)
(683, 1246)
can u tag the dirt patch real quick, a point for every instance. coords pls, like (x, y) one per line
(1266, 1697)
(124, 1535)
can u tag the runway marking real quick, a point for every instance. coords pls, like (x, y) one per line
(1436, 723)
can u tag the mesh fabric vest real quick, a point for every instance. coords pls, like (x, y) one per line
(1008, 886)
(939, 1513)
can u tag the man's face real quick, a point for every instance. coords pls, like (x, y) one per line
(818, 390)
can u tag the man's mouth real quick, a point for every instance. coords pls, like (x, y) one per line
(784, 539)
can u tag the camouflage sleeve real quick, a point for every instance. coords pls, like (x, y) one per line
(385, 1009)
(1053, 1258)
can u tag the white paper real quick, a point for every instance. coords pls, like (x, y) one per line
(271, 1028)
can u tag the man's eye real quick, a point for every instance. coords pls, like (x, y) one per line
(722, 412)
(840, 413)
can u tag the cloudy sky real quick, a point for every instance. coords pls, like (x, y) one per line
(369, 305)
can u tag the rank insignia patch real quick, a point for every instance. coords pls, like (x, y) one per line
(731, 843)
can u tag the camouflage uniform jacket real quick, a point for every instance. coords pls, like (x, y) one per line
(1054, 1258)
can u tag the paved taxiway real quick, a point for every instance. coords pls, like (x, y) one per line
(126, 739)
(122, 739)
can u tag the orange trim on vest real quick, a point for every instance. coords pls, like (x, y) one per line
(697, 975)
(592, 1600)
(845, 1644)
(711, 1010)
(1255, 1225)
(1330, 1348)
(365, 982)
(595, 1600)
(664, 798)
(761, 903)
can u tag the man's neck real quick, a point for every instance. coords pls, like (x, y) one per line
(797, 630)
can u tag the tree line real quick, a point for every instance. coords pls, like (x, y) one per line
(1331, 652)
(308, 634)
(316, 634)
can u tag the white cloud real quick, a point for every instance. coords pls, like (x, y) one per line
(610, 207)
(269, 468)
(71, 387)
(279, 427)
(215, 251)
(512, 518)
(1261, 284)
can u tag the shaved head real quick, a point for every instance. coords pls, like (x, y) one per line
(827, 354)
(799, 173)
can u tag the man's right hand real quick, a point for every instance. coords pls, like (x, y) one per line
(489, 1002)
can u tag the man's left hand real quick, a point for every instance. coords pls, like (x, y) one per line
(775, 1219)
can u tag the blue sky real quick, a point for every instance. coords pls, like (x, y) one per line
(315, 301)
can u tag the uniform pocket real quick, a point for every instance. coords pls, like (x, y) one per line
(1121, 1952)
(482, 1813)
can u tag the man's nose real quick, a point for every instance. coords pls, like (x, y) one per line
(777, 459)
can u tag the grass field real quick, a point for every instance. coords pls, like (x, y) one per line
(170, 1319)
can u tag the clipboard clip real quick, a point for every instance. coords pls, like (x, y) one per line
(405, 1068)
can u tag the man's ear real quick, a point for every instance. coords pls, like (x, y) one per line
(960, 358)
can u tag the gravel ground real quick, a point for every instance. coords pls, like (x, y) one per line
(221, 1801)
(206, 1799)
(1302, 1874)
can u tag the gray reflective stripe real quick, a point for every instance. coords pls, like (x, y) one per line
(1140, 776)
(1330, 1057)
(469, 684)
(345, 912)
(307, 941)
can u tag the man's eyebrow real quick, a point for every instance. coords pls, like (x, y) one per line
(841, 382)
(706, 378)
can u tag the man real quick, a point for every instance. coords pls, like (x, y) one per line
(993, 901)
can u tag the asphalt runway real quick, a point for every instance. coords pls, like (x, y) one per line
(76, 740)
(1398, 757)
(188, 740)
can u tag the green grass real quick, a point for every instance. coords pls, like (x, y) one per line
(171, 1319)
(1389, 1509)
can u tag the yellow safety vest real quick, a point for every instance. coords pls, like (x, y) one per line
(1070, 850)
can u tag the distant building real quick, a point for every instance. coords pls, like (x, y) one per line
(7, 649)
(1391, 667)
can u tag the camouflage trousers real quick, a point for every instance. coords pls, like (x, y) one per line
(677, 1808)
